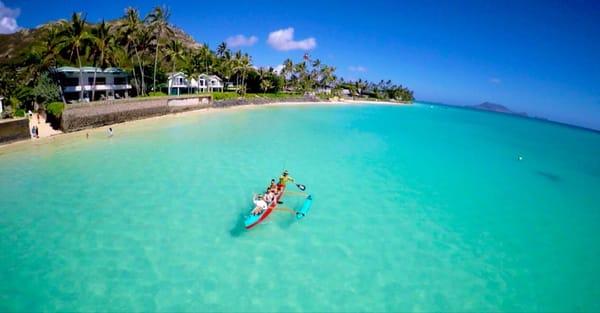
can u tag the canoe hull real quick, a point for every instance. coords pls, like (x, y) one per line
(253, 220)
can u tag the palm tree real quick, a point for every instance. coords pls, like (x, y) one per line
(288, 68)
(103, 46)
(221, 49)
(192, 65)
(158, 22)
(243, 65)
(175, 53)
(265, 85)
(206, 55)
(326, 76)
(130, 32)
(75, 37)
(316, 63)
(300, 72)
(49, 48)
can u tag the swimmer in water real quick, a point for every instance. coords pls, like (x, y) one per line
(110, 132)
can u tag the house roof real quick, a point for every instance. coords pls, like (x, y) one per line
(88, 69)
(170, 75)
(210, 76)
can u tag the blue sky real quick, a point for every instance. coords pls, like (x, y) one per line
(540, 57)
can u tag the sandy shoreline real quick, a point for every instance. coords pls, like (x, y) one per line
(61, 137)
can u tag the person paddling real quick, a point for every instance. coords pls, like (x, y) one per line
(269, 195)
(272, 185)
(284, 179)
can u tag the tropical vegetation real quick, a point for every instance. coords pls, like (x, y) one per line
(150, 47)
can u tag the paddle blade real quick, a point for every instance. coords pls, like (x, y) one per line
(301, 187)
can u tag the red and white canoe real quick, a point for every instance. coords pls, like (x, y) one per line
(253, 220)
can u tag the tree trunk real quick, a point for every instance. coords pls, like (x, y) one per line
(172, 80)
(156, 62)
(141, 71)
(137, 84)
(80, 76)
(94, 84)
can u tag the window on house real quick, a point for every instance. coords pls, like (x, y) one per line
(99, 80)
(71, 81)
(120, 81)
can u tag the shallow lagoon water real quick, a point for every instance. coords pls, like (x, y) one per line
(417, 208)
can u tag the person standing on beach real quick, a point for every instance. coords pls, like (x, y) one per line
(110, 132)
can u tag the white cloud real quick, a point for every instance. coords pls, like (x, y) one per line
(357, 68)
(241, 40)
(495, 80)
(8, 19)
(283, 40)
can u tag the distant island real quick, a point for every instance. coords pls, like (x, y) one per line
(494, 107)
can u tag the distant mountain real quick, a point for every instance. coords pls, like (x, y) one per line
(14, 46)
(494, 107)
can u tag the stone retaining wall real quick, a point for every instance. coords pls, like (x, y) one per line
(87, 116)
(13, 130)
(77, 117)
(237, 102)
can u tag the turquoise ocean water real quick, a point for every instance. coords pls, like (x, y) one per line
(416, 208)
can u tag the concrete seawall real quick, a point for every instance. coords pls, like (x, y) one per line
(78, 117)
(13, 130)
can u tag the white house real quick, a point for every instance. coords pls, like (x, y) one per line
(210, 83)
(178, 83)
(111, 82)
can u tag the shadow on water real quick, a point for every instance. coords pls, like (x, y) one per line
(549, 176)
(239, 228)
(288, 221)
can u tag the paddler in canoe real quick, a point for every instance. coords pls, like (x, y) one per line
(284, 179)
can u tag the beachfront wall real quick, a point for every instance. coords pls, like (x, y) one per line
(77, 117)
(13, 130)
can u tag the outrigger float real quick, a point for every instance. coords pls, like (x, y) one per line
(252, 220)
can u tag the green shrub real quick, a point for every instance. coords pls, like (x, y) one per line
(156, 94)
(20, 113)
(55, 109)
(224, 95)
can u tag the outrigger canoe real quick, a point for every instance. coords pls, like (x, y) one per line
(305, 208)
(253, 220)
